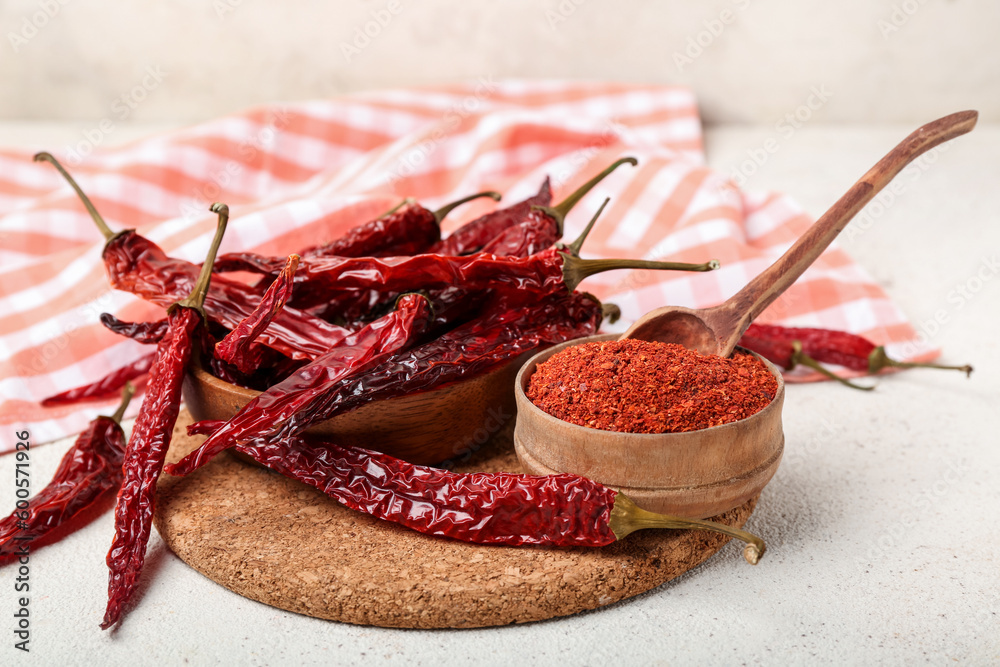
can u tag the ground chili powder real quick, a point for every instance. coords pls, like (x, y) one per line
(637, 386)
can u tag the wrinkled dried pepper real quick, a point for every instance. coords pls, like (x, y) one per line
(484, 508)
(498, 336)
(147, 333)
(92, 466)
(147, 446)
(108, 386)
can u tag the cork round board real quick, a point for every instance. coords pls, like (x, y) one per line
(285, 544)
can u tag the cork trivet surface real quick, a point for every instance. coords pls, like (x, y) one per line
(287, 545)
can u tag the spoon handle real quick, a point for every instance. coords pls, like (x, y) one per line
(760, 292)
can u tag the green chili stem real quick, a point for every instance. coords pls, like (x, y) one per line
(575, 270)
(408, 200)
(627, 517)
(878, 360)
(575, 247)
(128, 391)
(800, 357)
(196, 298)
(447, 208)
(98, 220)
(559, 211)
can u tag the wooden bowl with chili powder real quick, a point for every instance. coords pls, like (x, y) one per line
(697, 474)
(426, 428)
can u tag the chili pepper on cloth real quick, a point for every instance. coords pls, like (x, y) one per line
(147, 333)
(92, 466)
(107, 386)
(238, 347)
(147, 446)
(791, 346)
(475, 234)
(500, 335)
(484, 508)
(409, 229)
(137, 265)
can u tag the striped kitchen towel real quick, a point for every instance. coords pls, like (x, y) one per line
(297, 174)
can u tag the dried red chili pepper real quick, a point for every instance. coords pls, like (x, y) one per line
(92, 466)
(484, 508)
(306, 386)
(137, 265)
(791, 346)
(409, 229)
(147, 333)
(238, 347)
(147, 446)
(498, 336)
(108, 386)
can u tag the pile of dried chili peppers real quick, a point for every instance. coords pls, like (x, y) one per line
(388, 309)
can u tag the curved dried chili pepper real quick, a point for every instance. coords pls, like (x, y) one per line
(498, 508)
(147, 333)
(238, 347)
(306, 386)
(475, 234)
(106, 387)
(92, 466)
(791, 346)
(137, 265)
(147, 446)
(497, 337)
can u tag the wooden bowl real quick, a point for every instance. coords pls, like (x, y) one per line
(430, 427)
(695, 474)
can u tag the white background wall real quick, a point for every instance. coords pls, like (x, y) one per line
(886, 60)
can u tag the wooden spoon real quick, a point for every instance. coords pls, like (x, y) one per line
(716, 330)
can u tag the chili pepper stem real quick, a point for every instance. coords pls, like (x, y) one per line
(448, 208)
(576, 270)
(128, 391)
(98, 220)
(611, 312)
(800, 357)
(408, 200)
(575, 247)
(196, 298)
(627, 517)
(560, 210)
(878, 360)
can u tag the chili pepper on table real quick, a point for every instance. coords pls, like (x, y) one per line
(92, 466)
(137, 265)
(791, 346)
(147, 333)
(147, 446)
(475, 234)
(484, 508)
(106, 387)
(238, 347)
(498, 336)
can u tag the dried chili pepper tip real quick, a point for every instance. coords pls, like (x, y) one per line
(559, 211)
(98, 220)
(627, 517)
(440, 214)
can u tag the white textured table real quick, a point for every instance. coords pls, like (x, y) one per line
(881, 523)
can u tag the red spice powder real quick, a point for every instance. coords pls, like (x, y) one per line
(637, 386)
